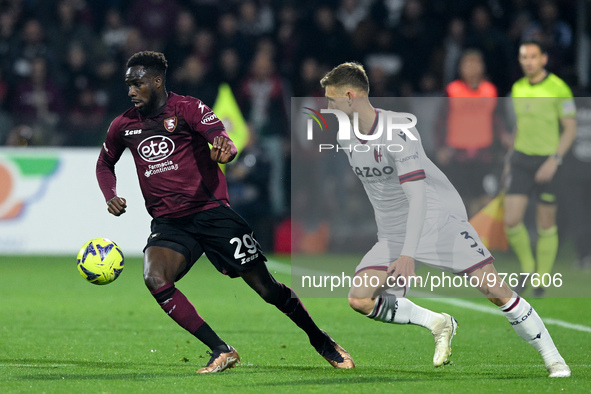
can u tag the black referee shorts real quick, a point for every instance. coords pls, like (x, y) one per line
(223, 235)
(523, 172)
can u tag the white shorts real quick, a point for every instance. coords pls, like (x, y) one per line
(455, 248)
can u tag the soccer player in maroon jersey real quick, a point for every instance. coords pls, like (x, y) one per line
(186, 194)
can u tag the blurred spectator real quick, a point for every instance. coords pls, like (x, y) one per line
(192, 80)
(383, 53)
(394, 10)
(180, 45)
(307, 84)
(30, 45)
(229, 36)
(381, 83)
(6, 122)
(115, 31)
(248, 188)
(453, 48)
(37, 98)
(21, 135)
(155, 20)
(135, 43)
(554, 34)
(229, 68)
(415, 39)
(351, 12)
(326, 40)
(206, 12)
(428, 86)
(8, 38)
(364, 37)
(110, 93)
(69, 26)
(255, 21)
(204, 47)
(289, 39)
(263, 99)
(77, 72)
(521, 20)
(495, 47)
(85, 123)
(465, 144)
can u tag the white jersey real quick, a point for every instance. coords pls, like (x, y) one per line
(384, 165)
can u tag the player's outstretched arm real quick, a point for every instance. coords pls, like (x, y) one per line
(221, 150)
(116, 206)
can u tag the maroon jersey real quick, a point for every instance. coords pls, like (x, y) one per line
(172, 157)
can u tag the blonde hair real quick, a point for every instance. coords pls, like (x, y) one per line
(347, 74)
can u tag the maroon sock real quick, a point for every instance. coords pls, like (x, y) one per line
(180, 309)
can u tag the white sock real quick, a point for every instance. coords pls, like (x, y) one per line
(528, 325)
(390, 309)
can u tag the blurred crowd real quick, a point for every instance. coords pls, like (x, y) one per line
(62, 61)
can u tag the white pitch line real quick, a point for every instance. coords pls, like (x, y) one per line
(284, 269)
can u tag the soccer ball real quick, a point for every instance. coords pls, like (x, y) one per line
(100, 261)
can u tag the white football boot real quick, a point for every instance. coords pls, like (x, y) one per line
(443, 334)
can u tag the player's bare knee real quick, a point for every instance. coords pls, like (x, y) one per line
(361, 305)
(154, 280)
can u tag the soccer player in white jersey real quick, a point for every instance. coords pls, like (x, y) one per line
(419, 216)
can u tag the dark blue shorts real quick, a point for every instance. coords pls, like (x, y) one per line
(224, 236)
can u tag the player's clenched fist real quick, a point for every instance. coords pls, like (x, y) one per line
(116, 206)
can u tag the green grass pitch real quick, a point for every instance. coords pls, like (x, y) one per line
(59, 334)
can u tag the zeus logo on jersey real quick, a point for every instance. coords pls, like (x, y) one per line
(156, 148)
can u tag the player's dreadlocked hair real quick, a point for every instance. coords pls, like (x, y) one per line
(154, 61)
(350, 73)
